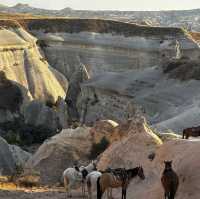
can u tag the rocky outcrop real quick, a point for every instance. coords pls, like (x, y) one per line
(37, 114)
(133, 149)
(60, 152)
(73, 146)
(11, 95)
(22, 62)
(125, 66)
(142, 148)
(11, 157)
(27, 79)
(7, 163)
(20, 156)
(105, 129)
(112, 68)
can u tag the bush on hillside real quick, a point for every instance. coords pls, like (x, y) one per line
(98, 148)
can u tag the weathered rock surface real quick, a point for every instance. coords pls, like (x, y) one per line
(135, 149)
(37, 114)
(125, 64)
(7, 163)
(27, 79)
(22, 62)
(60, 152)
(11, 156)
(20, 156)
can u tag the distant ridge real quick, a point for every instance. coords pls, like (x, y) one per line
(188, 19)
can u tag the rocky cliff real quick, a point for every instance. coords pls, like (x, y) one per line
(112, 68)
(125, 64)
(25, 75)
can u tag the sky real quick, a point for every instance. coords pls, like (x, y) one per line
(110, 4)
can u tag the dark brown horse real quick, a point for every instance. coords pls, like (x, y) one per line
(193, 131)
(169, 181)
(117, 178)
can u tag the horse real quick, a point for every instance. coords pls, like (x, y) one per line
(121, 178)
(85, 171)
(193, 131)
(74, 177)
(91, 181)
(170, 181)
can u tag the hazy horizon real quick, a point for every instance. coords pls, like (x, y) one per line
(129, 5)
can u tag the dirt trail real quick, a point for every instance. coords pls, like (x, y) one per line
(40, 193)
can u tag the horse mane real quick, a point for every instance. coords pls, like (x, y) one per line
(76, 168)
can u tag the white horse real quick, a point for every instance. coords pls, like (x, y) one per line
(74, 177)
(91, 181)
(85, 172)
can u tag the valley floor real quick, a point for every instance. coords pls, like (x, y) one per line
(39, 193)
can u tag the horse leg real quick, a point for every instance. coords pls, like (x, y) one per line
(123, 193)
(172, 194)
(100, 189)
(67, 186)
(83, 189)
(107, 193)
(89, 189)
(69, 195)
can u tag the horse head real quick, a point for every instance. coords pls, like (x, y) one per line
(84, 173)
(168, 165)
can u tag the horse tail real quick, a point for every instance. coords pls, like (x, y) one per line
(66, 182)
(99, 192)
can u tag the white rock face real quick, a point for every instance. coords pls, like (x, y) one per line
(109, 52)
(125, 68)
(22, 62)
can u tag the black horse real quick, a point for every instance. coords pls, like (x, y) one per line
(169, 181)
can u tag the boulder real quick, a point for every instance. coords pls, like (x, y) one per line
(37, 114)
(60, 152)
(11, 156)
(20, 156)
(7, 163)
(142, 147)
(133, 149)
(104, 128)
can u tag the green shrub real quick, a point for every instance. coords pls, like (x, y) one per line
(98, 148)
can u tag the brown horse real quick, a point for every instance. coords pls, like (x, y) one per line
(193, 131)
(118, 178)
(169, 181)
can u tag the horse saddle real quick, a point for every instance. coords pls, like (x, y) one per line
(120, 174)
